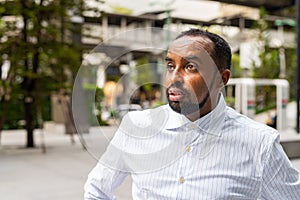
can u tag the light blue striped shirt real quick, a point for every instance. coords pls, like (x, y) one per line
(223, 155)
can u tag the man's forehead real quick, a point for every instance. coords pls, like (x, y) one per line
(186, 44)
(192, 48)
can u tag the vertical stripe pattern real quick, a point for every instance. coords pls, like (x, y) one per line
(223, 155)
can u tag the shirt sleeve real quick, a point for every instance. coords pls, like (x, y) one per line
(101, 182)
(280, 179)
(109, 172)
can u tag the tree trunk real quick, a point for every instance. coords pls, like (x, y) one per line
(29, 118)
(4, 103)
(27, 84)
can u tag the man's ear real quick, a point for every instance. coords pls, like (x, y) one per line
(225, 76)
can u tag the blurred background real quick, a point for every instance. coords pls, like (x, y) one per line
(119, 48)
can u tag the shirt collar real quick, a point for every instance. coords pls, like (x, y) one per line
(175, 120)
(211, 123)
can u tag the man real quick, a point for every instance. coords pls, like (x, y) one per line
(196, 147)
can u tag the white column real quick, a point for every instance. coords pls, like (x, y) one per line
(104, 28)
(282, 97)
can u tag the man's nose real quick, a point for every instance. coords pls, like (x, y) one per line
(177, 76)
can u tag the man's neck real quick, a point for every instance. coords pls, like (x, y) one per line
(209, 106)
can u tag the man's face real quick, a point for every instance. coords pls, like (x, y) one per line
(192, 79)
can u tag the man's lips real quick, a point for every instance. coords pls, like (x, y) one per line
(175, 94)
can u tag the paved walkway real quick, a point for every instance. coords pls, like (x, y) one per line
(58, 174)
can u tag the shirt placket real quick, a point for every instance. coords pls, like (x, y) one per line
(185, 163)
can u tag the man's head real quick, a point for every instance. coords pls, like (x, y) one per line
(198, 66)
(220, 52)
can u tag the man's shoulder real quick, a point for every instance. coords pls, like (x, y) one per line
(147, 117)
(239, 121)
(247, 132)
(147, 112)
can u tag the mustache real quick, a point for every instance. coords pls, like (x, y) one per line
(177, 87)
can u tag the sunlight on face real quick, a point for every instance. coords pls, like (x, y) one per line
(192, 77)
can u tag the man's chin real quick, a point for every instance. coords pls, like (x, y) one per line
(184, 108)
(175, 105)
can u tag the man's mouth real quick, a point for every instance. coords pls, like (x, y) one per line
(175, 94)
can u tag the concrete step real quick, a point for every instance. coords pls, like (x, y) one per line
(290, 141)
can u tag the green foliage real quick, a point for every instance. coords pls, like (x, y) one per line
(262, 25)
(15, 117)
(99, 97)
(40, 50)
(290, 57)
(230, 101)
(158, 103)
(38, 41)
(270, 66)
(96, 95)
(236, 70)
(144, 74)
(288, 12)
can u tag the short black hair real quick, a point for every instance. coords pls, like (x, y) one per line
(222, 55)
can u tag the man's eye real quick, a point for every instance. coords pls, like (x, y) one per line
(170, 66)
(191, 67)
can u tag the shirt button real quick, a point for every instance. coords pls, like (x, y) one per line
(181, 180)
(188, 149)
(192, 126)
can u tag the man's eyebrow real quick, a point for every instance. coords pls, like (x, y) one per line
(168, 59)
(191, 57)
(188, 58)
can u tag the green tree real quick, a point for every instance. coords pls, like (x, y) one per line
(291, 64)
(270, 65)
(38, 37)
(236, 70)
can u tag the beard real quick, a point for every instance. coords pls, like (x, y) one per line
(187, 107)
